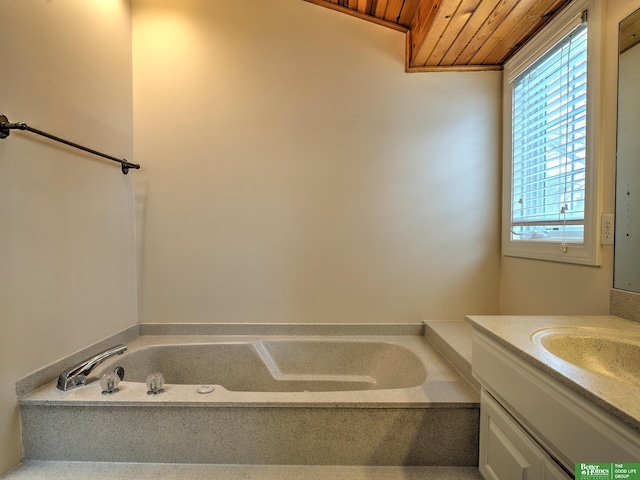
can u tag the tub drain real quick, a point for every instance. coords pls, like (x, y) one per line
(205, 389)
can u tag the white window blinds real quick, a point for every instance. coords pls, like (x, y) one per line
(549, 144)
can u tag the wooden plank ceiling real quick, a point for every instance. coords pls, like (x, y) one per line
(455, 34)
(630, 31)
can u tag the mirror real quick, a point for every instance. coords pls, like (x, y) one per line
(627, 229)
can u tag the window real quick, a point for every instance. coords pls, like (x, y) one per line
(549, 144)
(551, 105)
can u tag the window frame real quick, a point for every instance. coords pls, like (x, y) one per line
(587, 252)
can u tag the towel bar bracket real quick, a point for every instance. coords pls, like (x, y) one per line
(6, 127)
(4, 131)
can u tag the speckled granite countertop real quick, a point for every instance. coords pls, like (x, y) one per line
(516, 332)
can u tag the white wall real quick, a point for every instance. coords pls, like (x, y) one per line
(297, 174)
(67, 275)
(537, 287)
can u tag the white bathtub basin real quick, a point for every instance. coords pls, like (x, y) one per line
(278, 365)
(601, 351)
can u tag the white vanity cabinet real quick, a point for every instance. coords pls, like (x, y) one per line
(535, 427)
(506, 449)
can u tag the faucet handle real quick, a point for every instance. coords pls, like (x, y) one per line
(66, 380)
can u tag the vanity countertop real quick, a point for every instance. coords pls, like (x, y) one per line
(516, 332)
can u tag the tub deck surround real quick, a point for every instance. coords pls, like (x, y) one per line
(453, 339)
(401, 403)
(515, 333)
(288, 329)
(256, 435)
(45, 375)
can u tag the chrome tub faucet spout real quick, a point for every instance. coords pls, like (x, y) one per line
(77, 375)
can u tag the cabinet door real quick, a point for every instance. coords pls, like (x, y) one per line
(507, 452)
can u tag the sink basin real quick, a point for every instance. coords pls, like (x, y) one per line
(611, 353)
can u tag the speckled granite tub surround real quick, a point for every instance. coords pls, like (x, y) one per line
(246, 435)
(434, 423)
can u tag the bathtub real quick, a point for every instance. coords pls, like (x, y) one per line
(285, 365)
(320, 399)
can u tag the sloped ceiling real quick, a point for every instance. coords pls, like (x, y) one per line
(455, 34)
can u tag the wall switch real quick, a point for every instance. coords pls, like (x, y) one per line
(607, 229)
